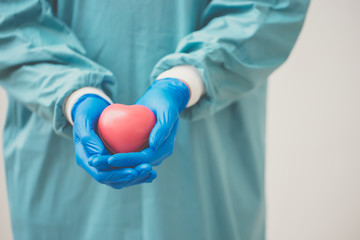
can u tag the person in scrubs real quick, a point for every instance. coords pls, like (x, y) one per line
(201, 66)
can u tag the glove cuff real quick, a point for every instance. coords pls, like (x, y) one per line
(191, 77)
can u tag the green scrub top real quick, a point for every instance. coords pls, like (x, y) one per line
(212, 187)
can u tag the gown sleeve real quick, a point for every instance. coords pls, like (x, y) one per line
(238, 45)
(42, 61)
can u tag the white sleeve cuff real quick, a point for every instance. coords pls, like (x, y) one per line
(191, 76)
(74, 96)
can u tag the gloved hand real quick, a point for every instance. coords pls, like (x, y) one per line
(89, 148)
(166, 98)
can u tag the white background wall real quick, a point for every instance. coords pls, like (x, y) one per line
(5, 231)
(313, 141)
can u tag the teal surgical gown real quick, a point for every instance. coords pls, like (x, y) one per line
(212, 187)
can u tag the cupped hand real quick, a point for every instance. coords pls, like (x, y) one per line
(89, 148)
(166, 98)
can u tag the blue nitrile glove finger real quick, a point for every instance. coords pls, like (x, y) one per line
(152, 177)
(102, 176)
(145, 174)
(90, 149)
(166, 98)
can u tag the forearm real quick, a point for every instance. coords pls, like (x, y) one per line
(238, 46)
(42, 62)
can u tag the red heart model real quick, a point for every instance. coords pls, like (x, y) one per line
(124, 128)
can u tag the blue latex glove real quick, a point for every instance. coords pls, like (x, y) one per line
(89, 148)
(166, 98)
